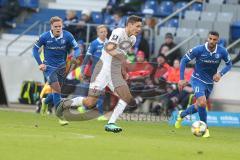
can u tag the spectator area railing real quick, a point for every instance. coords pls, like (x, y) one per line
(157, 28)
(45, 26)
(233, 44)
(22, 34)
(174, 14)
(183, 42)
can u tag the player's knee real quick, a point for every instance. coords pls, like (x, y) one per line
(127, 99)
(202, 103)
(89, 102)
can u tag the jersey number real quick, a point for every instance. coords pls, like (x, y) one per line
(196, 89)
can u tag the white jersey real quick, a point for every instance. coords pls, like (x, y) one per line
(107, 71)
(123, 42)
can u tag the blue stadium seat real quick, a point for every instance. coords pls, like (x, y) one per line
(165, 8)
(172, 23)
(2, 2)
(222, 42)
(29, 3)
(150, 4)
(180, 5)
(43, 15)
(97, 17)
(197, 7)
(108, 19)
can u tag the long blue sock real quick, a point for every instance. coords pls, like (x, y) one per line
(56, 99)
(100, 105)
(202, 114)
(49, 98)
(190, 110)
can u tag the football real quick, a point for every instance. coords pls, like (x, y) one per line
(198, 128)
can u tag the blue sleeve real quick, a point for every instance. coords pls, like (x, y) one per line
(36, 47)
(190, 55)
(91, 49)
(226, 57)
(74, 45)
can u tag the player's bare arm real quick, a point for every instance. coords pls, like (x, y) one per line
(110, 48)
(182, 84)
(42, 67)
(217, 77)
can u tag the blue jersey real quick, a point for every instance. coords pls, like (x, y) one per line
(55, 49)
(207, 62)
(94, 52)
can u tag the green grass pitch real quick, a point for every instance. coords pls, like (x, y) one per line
(27, 136)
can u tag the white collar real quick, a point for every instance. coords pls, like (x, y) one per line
(52, 36)
(206, 46)
(100, 41)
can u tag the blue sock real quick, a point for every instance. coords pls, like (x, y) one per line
(189, 110)
(100, 105)
(56, 99)
(202, 114)
(49, 98)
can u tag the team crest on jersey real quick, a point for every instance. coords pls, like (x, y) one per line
(217, 56)
(63, 41)
(114, 37)
(125, 45)
(189, 52)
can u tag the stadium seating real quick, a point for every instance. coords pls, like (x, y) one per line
(29, 3)
(179, 5)
(172, 23)
(213, 7)
(208, 16)
(232, 1)
(205, 25)
(225, 17)
(97, 17)
(150, 4)
(188, 23)
(43, 15)
(192, 15)
(107, 19)
(216, 1)
(197, 7)
(78, 5)
(231, 9)
(165, 8)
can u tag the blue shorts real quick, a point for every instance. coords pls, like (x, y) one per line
(200, 88)
(55, 74)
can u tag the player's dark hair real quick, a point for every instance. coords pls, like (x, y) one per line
(55, 19)
(215, 33)
(134, 19)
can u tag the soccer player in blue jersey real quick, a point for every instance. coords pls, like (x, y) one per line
(208, 58)
(94, 53)
(56, 45)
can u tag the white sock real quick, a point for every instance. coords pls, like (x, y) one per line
(118, 110)
(77, 101)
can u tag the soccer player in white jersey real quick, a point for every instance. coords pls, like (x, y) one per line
(110, 71)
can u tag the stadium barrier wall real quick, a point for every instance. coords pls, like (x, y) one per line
(3, 96)
(14, 71)
(226, 119)
(228, 87)
(225, 95)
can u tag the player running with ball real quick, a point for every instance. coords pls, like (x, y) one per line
(208, 57)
